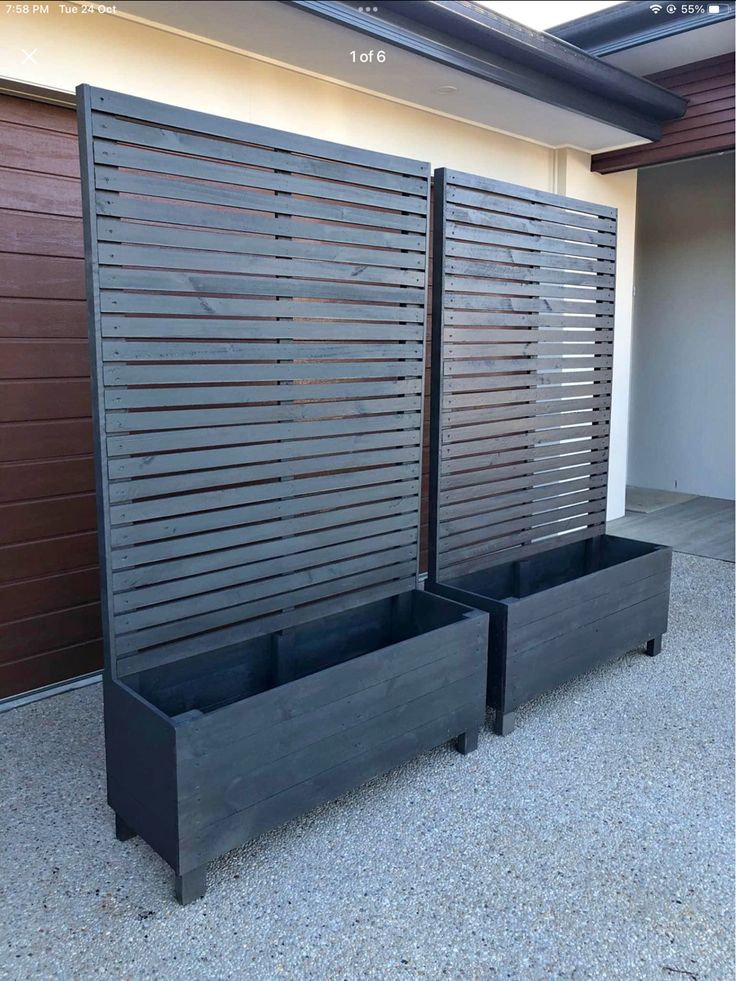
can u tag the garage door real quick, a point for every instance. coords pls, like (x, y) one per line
(49, 608)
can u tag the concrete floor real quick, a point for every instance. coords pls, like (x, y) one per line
(596, 842)
(698, 526)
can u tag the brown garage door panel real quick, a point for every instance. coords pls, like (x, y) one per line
(34, 559)
(22, 231)
(25, 317)
(29, 148)
(26, 401)
(37, 114)
(50, 667)
(24, 191)
(41, 277)
(31, 440)
(31, 520)
(49, 588)
(48, 358)
(37, 635)
(26, 481)
(34, 596)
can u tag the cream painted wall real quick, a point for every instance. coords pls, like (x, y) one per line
(121, 54)
(682, 398)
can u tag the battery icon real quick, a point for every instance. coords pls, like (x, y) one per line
(714, 8)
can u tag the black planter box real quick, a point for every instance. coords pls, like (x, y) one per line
(204, 756)
(522, 379)
(558, 614)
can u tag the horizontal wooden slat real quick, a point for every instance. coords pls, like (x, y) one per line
(256, 493)
(478, 283)
(111, 179)
(495, 253)
(538, 211)
(216, 608)
(114, 103)
(358, 590)
(486, 234)
(202, 242)
(550, 229)
(192, 395)
(217, 518)
(194, 419)
(527, 276)
(150, 160)
(173, 281)
(130, 351)
(204, 216)
(165, 582)
(528, 194)
(255, 265)
(308, 451)
(310, 526)
(177, 141)
(112, 301)
(190, 439)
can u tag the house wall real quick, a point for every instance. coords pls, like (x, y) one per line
(682, 414)
(117, 53)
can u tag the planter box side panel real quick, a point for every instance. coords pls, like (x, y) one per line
(259, 779)
(594, 625)
(141, 769)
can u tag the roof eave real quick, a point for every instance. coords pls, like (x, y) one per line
(629, 25)
(472, 39)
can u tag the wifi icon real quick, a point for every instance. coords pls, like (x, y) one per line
(655, 8)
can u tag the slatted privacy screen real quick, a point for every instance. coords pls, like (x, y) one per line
(521, 371)
(259, 308)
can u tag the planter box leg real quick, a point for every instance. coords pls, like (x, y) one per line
(123, 832)
(504, 723)
(467, 742)
(191, 885)
(654, 646)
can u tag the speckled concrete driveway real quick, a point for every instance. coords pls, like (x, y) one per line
(596, 842)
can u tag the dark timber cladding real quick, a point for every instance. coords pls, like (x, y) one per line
(707, 126)
(258, 333)
(522, 360)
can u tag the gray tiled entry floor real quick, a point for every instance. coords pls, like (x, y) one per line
(645, 499)
(701, 526)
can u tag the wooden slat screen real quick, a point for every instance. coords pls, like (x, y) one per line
(522, 355)
(259, 309)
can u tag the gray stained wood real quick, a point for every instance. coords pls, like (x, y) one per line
(701, 526)
(522, 357)
(259, 309)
